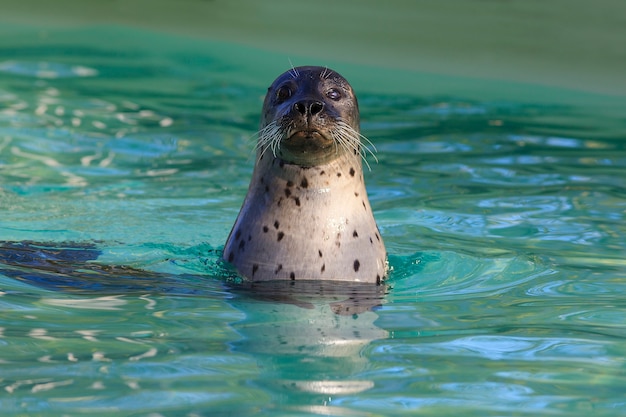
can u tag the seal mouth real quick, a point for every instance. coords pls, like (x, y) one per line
(307, 140)
(305, 134)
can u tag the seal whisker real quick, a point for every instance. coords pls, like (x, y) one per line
(275, 141)
(346, 140)
(349, 142)
(293, 71)
(262, 137)
(356, 141)
(269, 138)
(261, 141)
(276, 138)
(335, 142)
(362, 139)
(366, 147)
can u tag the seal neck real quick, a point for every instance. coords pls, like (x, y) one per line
(342, 171)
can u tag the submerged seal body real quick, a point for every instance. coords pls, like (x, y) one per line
(306, 214)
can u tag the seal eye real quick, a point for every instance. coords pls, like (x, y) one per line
(333, 94)
(283, 93)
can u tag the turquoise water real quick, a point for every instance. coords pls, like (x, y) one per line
(124, 158)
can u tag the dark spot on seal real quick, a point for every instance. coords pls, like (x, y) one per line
(320, 252)
(339, 174)
(231, 257)
(323, 268)
(249, 238)
(292, 276)
(289, 183)
(377, 279)
(287, 192)
(297, 200)
(276, 224)
(377, 237)
(280, 200)
(371, 241)
(357, 265)
(352, 172)
(356, 194)
(278, 268)
(322, 172)
(280, 236)
(338, 244)
(237, 234)
(255, 268)
(265, 229)
(364, 206)
(304, 183)
(242, 245)
(355, 234)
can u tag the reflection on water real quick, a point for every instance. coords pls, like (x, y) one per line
(308, 335)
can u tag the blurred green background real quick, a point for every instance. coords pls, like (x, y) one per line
(574, 44)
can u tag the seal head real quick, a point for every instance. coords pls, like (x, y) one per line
(309, 107)
(306, 214)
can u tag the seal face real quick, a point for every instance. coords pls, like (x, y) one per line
(306, 214)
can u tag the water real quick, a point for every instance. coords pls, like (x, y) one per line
(124, 163)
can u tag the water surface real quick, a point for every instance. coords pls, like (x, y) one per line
(503, 218)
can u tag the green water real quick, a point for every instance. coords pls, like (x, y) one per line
(502, 206)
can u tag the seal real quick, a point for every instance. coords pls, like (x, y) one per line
(306, 215)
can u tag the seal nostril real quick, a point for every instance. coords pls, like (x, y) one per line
(316, 107)
(300, 107)
(308, 107)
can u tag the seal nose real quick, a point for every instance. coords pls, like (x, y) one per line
(309, 107)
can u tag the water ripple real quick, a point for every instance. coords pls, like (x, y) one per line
(511, 348)
(451, 275)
